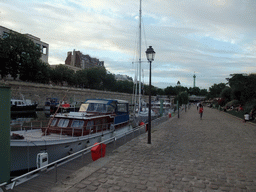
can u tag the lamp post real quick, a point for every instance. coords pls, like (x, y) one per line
(150, 56)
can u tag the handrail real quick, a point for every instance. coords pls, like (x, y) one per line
(74, 154)
(14, 180)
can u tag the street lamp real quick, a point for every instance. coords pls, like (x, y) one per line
(150, 56)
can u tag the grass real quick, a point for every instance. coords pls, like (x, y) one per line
(239, 114)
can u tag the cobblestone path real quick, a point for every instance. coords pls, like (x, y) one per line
(217, 153)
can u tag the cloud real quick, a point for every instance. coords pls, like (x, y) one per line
(212, 38)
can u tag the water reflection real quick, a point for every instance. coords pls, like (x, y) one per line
(25, 119)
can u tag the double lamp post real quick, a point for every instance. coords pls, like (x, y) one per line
(150, 56)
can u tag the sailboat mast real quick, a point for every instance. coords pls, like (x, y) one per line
(140, 58)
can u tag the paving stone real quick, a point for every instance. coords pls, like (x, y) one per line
(215, 187)
(141, 187)
(199, 185)
(225, 188)
(91, 188)
(80, 185)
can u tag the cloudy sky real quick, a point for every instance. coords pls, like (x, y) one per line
(211, 38)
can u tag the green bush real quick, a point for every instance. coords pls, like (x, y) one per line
(239, 114)
(233, 102)
(249, 105)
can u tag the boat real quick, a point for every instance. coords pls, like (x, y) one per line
(66, 133)
(51, 104)
(23, 106)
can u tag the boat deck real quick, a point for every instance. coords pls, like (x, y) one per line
(36, 135)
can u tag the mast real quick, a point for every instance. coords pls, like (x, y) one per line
(140, 58)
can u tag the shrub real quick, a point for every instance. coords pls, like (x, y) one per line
(233, 102)
(249, 105)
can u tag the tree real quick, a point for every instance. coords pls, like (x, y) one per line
(124, 86)
(62, 74)
(43, 72)
(95, 77)
(215, 90)
(81, 78)
(203, 92)
(160, 91)
(226, 94)
(109, 82)
(243, 87)
(170, 91)
(23, 56)
(182, 97)
(4, 67)
(194, 91)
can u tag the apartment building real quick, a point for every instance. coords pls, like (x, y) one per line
(43, 46)
(79, 60)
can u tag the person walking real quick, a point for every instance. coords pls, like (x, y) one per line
(201, 110)
(197, 105)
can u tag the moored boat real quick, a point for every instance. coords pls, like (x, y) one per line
(50, 104)
(22, 106)
(66, 133)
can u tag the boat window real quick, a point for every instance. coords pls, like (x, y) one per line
(77, 123)
(53, 123)
(98, 125)
(122, 107)
(83, 107)
(89, 125)
(110, 109)
(96, 107)
(63, 123)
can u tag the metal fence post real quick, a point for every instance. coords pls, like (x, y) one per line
(55, 166)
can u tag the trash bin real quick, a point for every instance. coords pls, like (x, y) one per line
(98, 151)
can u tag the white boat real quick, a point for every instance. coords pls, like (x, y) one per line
(66, 133)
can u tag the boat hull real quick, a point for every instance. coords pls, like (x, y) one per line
(24, 153)
(23, 109)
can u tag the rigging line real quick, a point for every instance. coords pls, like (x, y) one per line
(55, 113)
(144, 34)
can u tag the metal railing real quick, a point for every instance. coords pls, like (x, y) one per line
(64, 160)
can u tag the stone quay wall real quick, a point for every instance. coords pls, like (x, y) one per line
(39, 92)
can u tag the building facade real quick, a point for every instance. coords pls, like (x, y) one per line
(79, 60)
(43, 46)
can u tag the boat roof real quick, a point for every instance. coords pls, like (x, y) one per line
(105, 101)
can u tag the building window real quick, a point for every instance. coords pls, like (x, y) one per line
(5, 35)
(44, 50)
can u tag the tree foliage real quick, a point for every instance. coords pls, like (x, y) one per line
(20, 56)
(182, 97)
(243, 87)
(215, 90)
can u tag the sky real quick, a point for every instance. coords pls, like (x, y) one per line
(209, 38)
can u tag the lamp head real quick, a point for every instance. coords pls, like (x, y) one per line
(150, 54)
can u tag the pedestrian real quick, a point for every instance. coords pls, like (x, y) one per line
(201, 110)
(197, 105)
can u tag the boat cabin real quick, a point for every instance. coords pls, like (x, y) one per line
(95, 115)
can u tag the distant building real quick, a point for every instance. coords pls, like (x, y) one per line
(119, 77)
(43, 46)
(79, 60)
